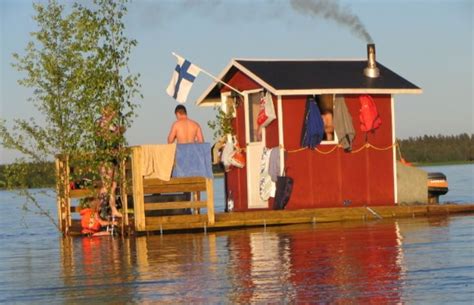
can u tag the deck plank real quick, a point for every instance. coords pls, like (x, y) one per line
(174, 205)
(174, 185)
(285, 217)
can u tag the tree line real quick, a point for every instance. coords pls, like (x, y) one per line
(28, 175)
(423, 149)
(438, 148)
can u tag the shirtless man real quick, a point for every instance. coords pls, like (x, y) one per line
(184, 130)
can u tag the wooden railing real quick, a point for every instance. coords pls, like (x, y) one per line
(64, 193)
(143, 186)
(139, 188)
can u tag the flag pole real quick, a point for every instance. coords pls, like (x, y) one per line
(212, 76)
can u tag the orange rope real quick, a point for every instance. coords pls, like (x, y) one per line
(384, 148)
(295, 150)
(365, 146)
(329, 151)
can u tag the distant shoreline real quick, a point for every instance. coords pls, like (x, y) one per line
(220, 174)
(442, 163)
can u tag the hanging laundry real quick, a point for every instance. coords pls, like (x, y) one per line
(267, 112)
(267, 187)
(313, 128)
(369, 116)
(226, 154)
(343, 124)
(193, 160)
(158, 160)
(274, 165)
(217, 150)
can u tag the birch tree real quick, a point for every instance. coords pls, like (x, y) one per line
(75, 64)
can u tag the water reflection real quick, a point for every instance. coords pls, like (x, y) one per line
(331, 263)
(328, 264)
(259, 267)
(98, 269)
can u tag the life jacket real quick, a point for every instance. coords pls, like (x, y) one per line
(89, 223)
(369, 116)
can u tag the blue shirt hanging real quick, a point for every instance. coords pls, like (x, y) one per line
(313, 126)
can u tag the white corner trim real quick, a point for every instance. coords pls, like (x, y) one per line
(281, 140)
(394, 151)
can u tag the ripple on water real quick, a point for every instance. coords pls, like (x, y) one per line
(408, 261)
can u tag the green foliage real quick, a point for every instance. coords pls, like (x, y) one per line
(27, 175)
(222, 125)
(438, 148)
(76, 65)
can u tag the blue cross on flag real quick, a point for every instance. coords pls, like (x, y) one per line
(182, 80)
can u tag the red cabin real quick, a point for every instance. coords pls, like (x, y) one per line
(326, 176)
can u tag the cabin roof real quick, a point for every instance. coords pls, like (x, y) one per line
(306, 77)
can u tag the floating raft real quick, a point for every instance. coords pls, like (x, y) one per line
(283, 217)
(147, 213)
(235, 220)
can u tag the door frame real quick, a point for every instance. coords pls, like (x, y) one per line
(252, 184)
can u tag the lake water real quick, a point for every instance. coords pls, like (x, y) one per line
(405, 261)
(460, 180)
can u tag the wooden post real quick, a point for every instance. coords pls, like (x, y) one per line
(124, 192)
(62, 193)
(138, 196)
(59, 193)
(196, 197)
(67, 195)
(210, 201)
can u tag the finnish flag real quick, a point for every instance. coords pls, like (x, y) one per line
(182, 80)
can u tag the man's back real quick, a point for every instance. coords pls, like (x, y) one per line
(185, 131)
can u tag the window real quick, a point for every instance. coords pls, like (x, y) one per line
(326, 107)
(228, 103)
(255, 131)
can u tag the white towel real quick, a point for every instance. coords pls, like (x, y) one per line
(158, 160)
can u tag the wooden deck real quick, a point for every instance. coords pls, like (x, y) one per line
(234, 220)
(283, 217)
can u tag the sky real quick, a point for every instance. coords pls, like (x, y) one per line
(428, 42)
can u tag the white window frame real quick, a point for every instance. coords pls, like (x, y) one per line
(335, 141)
(224, 97)
(247, 117)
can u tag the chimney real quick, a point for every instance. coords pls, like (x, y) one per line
(371, 70)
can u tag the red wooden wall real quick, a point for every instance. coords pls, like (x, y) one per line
(322, 180)
(326, 180)
(236, 179)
